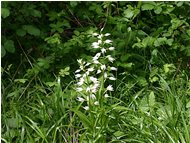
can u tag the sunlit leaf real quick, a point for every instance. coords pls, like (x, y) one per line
(148, 6)
(5, 12)
(32, 30)
(3, 51)
(9, 46)
(151, 99)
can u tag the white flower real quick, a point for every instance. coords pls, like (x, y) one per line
(111, 48)
(96, 62)
(58, 80)
(95, 34)
(109, 88)
(95, 45)
(81, 67)
(113, 68)
(87, 64)
(79, 61)
(96, 85)
(80, 99)
(92, 96)
(100, 36)
(110, 58)
(96, 103)
(79, 89)
(103, 67)
(86, 74)
(93, 79)
(103, 50)
(96, 57)
(88, 89)
(112, 78)
(95, 88)
(98, 71)
(86, 108)
(105, 75)
(81, 81)
(106, 95)
(77, 71)
(108, 41)
(90, 69)
(99, 41)
(87, 98)
(107, 34)
(78, 75)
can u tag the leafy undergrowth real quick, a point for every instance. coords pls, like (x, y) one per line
(113, 72)
(156, 114)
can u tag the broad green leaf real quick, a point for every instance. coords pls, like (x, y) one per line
(138, 45)
(43, 63)
(142, 81)
(20, 80)
(125, 57)
(14, 93)
(119, 134)
(180, 3)
(140, 32)
(188, 105)
(83, 117)
(9, 46)
(64, 72)
(129, 12)
(50, 84)
(176, 23)
(73, 3)
(3, 51)
(77, 33)
(160, 41)
(66, 23)
(55, 39)
(148, 41)
(147, 6)
(120, 108)
(188, 32)
(13, 122)
(143, 106)
(169, 68)
(32, 30)
(154, 52)
(158, 9)
(151, 99)
(125, 65)
(67, 69)
(5, 12)
(21, 32)
(169, 42)
(36, 13)
(154, 79)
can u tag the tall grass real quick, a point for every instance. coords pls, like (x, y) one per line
(157, 115)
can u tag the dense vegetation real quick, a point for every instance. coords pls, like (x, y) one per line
(95, 72)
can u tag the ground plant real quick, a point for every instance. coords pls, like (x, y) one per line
(95, 72)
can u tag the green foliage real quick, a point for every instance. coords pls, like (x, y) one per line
(5, 12)
(64, 72)
(30, 29)
(41, 42)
